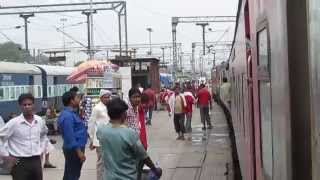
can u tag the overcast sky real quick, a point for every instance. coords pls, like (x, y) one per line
(141, 14)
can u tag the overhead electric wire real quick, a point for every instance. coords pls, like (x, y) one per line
(7, 37)
(101, 37)
(105, 33)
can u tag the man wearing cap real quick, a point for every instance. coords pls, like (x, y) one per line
(99, 116)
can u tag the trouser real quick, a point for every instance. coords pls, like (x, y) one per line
(204, 115)
(179, 123)
(149, 112)
(100, 165)
(73, 165)
(27, 169)
(188, 122)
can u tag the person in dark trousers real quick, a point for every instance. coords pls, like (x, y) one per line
(20, 142)
(151, 103)
(204, 100)
(74, 134)
(121, 147)
(177, 104)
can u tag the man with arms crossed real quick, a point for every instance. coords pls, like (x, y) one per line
(24, 135)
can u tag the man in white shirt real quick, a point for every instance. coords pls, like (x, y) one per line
(177, 103)
(99, 116)
(24, 135)
(3, 168)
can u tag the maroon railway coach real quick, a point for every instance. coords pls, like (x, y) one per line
(274, 71)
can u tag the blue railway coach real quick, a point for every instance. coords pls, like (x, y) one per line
(15, 79)
(46, 83)
(54, 85)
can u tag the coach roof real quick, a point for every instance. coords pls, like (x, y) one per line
(18, 68)
(56, 70)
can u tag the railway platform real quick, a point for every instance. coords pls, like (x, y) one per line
(204, 155)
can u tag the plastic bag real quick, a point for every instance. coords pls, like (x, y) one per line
(151, 175)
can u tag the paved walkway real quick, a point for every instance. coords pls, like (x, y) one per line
(206, 156)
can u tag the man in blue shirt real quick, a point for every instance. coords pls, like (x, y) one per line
(74, 134)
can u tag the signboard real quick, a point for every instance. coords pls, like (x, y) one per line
(126, 81)
(57, 58)
(6, 80)
(107, 78)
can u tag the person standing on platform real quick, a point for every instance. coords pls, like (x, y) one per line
(136, 120)
(121, 147)
(21, 139)
(99, 116)
(190, 100)
(177, 104)
(3, 168)
(151, 103)
(74, 134)
(135, 115)
(204, 100)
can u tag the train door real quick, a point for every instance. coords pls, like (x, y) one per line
(314, 46)
(249, 100)
(265, 113)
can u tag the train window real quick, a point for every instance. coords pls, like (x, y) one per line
(18, 92)
(12, 93)
(21, 90)
(27, 89)
(6, 93)
(35, 91)
(1, 94)
(265, 104)
(52, 91)
(49, 91)
(55, 90)
(58, 90)
(39, 92)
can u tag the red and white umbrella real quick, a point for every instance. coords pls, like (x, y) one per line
(90, 67)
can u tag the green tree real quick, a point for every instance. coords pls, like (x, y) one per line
(10, 51)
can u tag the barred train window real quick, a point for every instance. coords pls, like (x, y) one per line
(17, 92)
(6, 93)
(265, 104)
(39, 92)
(1, 94)
(12, 93)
